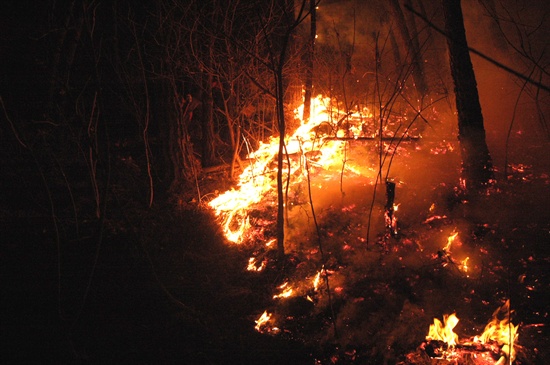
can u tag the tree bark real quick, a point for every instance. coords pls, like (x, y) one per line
(208, 153)
(477, 169)
(413, 48)
(287, 22)
(308, 84)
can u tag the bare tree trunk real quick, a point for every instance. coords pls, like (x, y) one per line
(173, 125)
(395, 47)
(308, 87)
(278, 64)
(412, 47)
(64, 56)
(477, 169)
(208, 155)
(280, 190)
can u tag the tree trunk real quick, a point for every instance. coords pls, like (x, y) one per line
(280, 190)
(308, 84)
(413, 48)
(284, 43)
(207, 112)
(167, 112)
(477, 170)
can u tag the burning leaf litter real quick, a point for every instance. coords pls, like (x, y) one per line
(246, 213)
(494, 346)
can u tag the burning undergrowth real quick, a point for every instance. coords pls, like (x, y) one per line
(355, 287)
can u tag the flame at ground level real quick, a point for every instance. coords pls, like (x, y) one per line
(307, 149)
(499, 332)
(260, 322)
(444, 331)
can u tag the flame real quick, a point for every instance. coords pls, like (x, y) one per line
(262, 321)
(502, 331)
(444, 331)
(253, 265)
(316, 281)
(450, 241)
(499, 330)
(309, 141)
(465, 264)
(287, 291)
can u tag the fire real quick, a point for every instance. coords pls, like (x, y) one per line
(444, 331)
(262, 321)
(501, 331)
(450, 241)
(253, 265)
(286, 292)
(499, 335)
(316, 281)
(309, 142)
(465, 264)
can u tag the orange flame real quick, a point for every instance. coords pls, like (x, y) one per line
(317, 281)
(262, 321)
(287, 291)
(502, 331)
(257, 180)
(253, 265)
(465, 264)
(499, 331)
(444, 331)
(450, 241)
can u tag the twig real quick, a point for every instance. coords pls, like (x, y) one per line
(320, 244)
(11, 124)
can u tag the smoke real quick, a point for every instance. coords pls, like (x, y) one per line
(515, 112)
(513, 33)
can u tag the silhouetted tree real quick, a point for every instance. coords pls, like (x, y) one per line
(409, 38)
(477, 168)
(308, 60)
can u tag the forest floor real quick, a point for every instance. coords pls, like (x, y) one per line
(161, 285)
